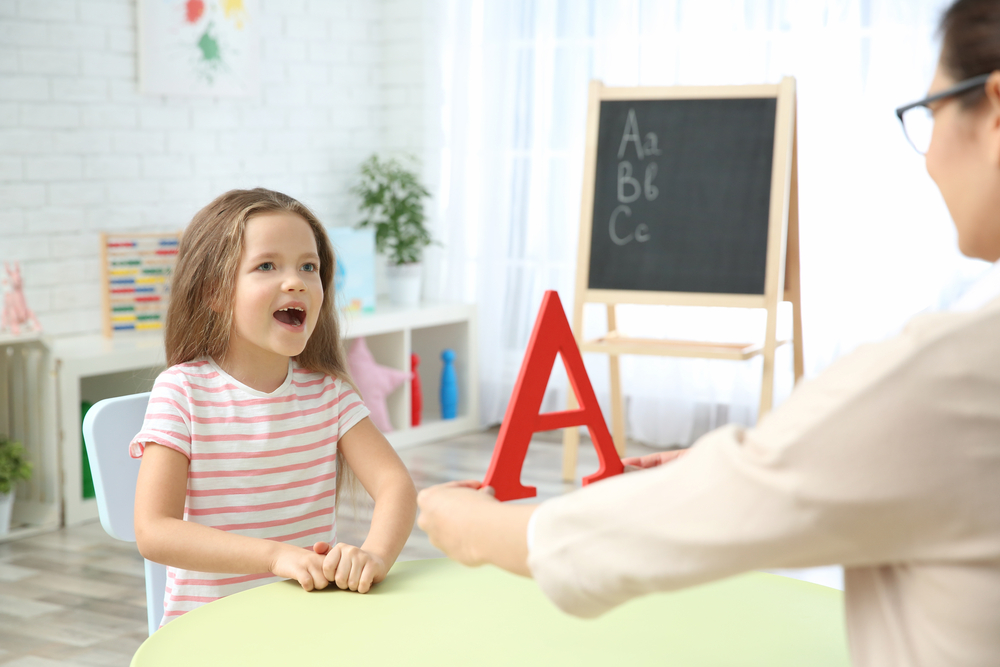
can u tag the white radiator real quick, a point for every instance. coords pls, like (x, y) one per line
(28, 414)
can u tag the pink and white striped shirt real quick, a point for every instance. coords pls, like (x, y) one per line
(261, 464)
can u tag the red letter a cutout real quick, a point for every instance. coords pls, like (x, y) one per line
(550, 336)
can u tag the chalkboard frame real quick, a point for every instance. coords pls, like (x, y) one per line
(781, 280)
(784, 93)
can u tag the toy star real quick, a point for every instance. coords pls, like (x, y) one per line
(375, 382)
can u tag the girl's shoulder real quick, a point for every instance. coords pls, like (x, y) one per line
(301, 376)
(197, 369)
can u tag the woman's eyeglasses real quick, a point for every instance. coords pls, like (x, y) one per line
(918, 119)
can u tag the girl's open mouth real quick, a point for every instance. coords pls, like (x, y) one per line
(293, 316)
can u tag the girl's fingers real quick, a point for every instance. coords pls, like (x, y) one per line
(343, 573)
(321, 548)
(358, 564)
(367, 577)
(332, 561)
(319, 580)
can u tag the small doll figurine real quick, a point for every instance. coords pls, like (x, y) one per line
(15, 309)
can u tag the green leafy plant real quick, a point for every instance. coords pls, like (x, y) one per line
(13, 464)
(392, 201)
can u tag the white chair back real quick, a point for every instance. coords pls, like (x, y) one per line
(108, 429)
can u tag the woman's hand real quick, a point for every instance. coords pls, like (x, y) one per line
(303, 565)
(351, 567)
(446, 513)
(652, 460)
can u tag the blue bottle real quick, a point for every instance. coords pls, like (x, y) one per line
(449, 386)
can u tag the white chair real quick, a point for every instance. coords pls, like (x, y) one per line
(108, 429)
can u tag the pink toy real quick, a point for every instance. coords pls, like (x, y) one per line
(375, 382)
(15, 308)
(416, 394)
(551, 336)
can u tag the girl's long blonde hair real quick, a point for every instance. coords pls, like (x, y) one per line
(200, 315)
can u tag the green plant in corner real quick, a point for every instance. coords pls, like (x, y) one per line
(392, 201)
(14, 466)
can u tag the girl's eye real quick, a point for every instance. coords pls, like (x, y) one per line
(309, 266)
(266, 266)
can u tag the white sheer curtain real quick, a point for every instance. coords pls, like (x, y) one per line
(877, 244)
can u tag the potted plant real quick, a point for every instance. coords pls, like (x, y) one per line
(13, 467)
(392, 201)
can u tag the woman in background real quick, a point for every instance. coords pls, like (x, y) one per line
(888, 462)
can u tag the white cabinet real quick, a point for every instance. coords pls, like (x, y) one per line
(91, 368)
(27, 415)
(393, 333)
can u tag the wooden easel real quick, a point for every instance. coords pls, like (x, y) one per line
(781, 280)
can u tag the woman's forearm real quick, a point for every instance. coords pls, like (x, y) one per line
(501, 537)
(470, 526)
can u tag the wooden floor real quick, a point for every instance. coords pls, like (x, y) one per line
(77, 597)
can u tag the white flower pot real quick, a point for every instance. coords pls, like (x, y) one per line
(6, 507)
(381, 282)
(404, 283)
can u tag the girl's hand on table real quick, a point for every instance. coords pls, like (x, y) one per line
(350, 567)
(652, 460)
(446, 512)
(303, 565)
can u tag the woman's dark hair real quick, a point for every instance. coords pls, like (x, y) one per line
(970, 45)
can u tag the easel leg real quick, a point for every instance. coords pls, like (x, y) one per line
(770, 344)
(571, 444)
(767, 384)
(793, 285)
(797, 342)
(617, 407)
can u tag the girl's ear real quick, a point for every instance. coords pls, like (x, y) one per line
(993, 114)
(215, 303)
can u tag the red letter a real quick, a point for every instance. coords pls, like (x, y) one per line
(550, 336)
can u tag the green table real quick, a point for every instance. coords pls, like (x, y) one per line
(436, 612)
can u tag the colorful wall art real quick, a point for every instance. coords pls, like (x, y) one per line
(198, 47)
(355, 276)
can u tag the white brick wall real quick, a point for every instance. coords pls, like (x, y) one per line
(81, 151)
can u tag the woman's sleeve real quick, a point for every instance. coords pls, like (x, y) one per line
(869, 463)
(168, 416)
(350, 406)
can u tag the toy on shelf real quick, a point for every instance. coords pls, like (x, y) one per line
(551, 336)
(449, 386)
(416, 393)
(15, 307)
(137, 269)
(374, 381)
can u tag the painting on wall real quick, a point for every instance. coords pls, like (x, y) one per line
(198, 47)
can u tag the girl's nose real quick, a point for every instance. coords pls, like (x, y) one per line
(294, 283)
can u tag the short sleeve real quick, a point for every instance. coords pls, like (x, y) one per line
(168, 416)
(351, 408)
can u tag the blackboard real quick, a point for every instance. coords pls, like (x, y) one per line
(682, 195)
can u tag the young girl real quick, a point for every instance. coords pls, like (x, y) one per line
(248, 431)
